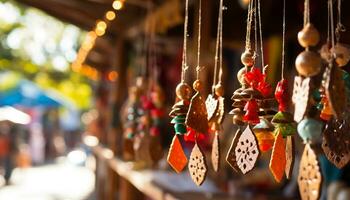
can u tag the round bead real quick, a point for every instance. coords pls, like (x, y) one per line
(308, 36)
(241, 76)
(308, 63)
(247, 58)
(310, 129)
(197, 85)
(219, 90)
(342, 53)
(183, 91)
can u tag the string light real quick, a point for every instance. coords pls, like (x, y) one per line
(118, 4)
(89, 42)
(110, 15)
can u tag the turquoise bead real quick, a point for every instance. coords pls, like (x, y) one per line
(180, 129)
(310, 129)
(180, 119)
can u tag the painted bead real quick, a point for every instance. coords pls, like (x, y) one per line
(183, 91)
(308, 36)
(308, 63)
(310, 129)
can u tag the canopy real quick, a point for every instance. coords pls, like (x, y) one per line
(27, 94)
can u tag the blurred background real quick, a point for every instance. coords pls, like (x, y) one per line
(68, 70)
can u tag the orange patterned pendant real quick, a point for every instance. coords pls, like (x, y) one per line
(278, 158)
(176, 156)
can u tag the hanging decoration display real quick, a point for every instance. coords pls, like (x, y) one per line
(282, 157)
(308, 65)
(335, 143)
(215, 100)
(176, 156)
(197, 118)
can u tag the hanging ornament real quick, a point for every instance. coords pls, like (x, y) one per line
(197, 119)
(246, 151)
(215, 99)
(278, 158)
(310, 177)
(300, 97)
(336, 142)
(264, 135)
(231, 155)
(176, 156)
(282, 157)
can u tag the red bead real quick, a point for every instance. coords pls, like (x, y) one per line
(264, 88)
(281, 95)
(191, 135)
(251, 116)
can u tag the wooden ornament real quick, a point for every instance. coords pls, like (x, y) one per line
(300, 97)
(231, 155)
(278, 158)
(290, 156)
(212, 105)
(176, 156)
(197, 117)
(220, 111)
(247, 151)
(336, 142)
(335, 90)
(308, 63)
(197, 166)
(310, 177)
(215, 152)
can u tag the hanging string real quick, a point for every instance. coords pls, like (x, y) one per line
(306, 12)
(198, 68)
(283, 39)
(218, 43)
(340, 27)
(249, 25)
(328, 24)
(220, 49)
(330, 3)
(255, 32)
(261, 40)
(184, 51)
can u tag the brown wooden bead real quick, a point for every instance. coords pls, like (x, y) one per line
(308, 36)
(247, 58)
(197, 85)
(240, 76)
(219, 90)
(308, 63)
(183, 91)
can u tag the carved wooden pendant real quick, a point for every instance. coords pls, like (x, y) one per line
(335, 90)
(197, 117)
(212, 105)
(300, 97)
(336, 142)
(290, 156)
(310, 177)
(231, 155)
(176, 156)
(247, 151)
(278, 158)
(197, 166)
(215, 152)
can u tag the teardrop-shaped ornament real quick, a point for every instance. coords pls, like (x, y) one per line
(197, 166)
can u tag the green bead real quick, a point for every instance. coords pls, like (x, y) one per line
(286, 129)
(180, 129)
(178, 119)
(310, 129)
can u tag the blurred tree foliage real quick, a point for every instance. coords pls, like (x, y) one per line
(40, 48)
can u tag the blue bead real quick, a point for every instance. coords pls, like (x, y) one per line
(310, 129)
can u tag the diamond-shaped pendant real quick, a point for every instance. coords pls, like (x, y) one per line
(278, 158)
(176, 156)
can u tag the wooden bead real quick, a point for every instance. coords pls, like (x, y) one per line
(197, 85)
(219, 90)
(240, 76)
(247, 58)
(308, 63)
(308, 36)
(183, 91)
